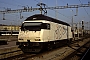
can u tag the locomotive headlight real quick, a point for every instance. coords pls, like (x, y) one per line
(37, 39)
(20, 39)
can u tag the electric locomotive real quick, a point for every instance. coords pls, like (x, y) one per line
(40, 32)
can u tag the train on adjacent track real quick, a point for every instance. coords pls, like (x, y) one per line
(40, 32)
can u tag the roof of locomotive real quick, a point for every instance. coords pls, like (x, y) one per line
(43, 17)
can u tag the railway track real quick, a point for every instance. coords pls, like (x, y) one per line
(9, 52)
(73, 51)
(13, 53)
(21, 56)
(78, 53)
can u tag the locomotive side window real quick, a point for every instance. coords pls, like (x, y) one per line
(45, 26)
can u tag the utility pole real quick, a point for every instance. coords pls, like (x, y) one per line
(56, 11)
(82, 27)
(73, 29)
(3, 16)
(78, 29)
(87, 26)
(11, 28)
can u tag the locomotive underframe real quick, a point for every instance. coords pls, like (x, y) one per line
(40, 46)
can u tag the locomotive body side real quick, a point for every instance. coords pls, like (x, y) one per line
(58, 31)
(70, 35)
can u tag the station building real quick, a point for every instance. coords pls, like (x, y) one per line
(9, 27)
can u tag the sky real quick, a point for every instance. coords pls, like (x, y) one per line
(61, 14)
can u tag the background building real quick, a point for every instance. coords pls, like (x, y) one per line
(9, 27)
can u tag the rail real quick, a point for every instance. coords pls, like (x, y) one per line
(9, 52)
(85, 55)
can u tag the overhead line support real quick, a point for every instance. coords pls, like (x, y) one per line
(43, 8)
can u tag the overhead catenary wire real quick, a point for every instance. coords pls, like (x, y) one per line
(54, 10)
(61, 14)
(70, 8)
(37, 1)
(20, 4)
(6, 9)
(85, 9)
(50, 9)
(16, 5)
(2, 7)
(8, 3)
(57, 7)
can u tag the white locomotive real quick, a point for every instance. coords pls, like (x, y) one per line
(40, 32)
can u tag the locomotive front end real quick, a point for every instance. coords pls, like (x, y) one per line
(31, 35)
(30, 32)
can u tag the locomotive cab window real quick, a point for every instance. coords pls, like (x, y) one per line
(31, 26)
(34, 26)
